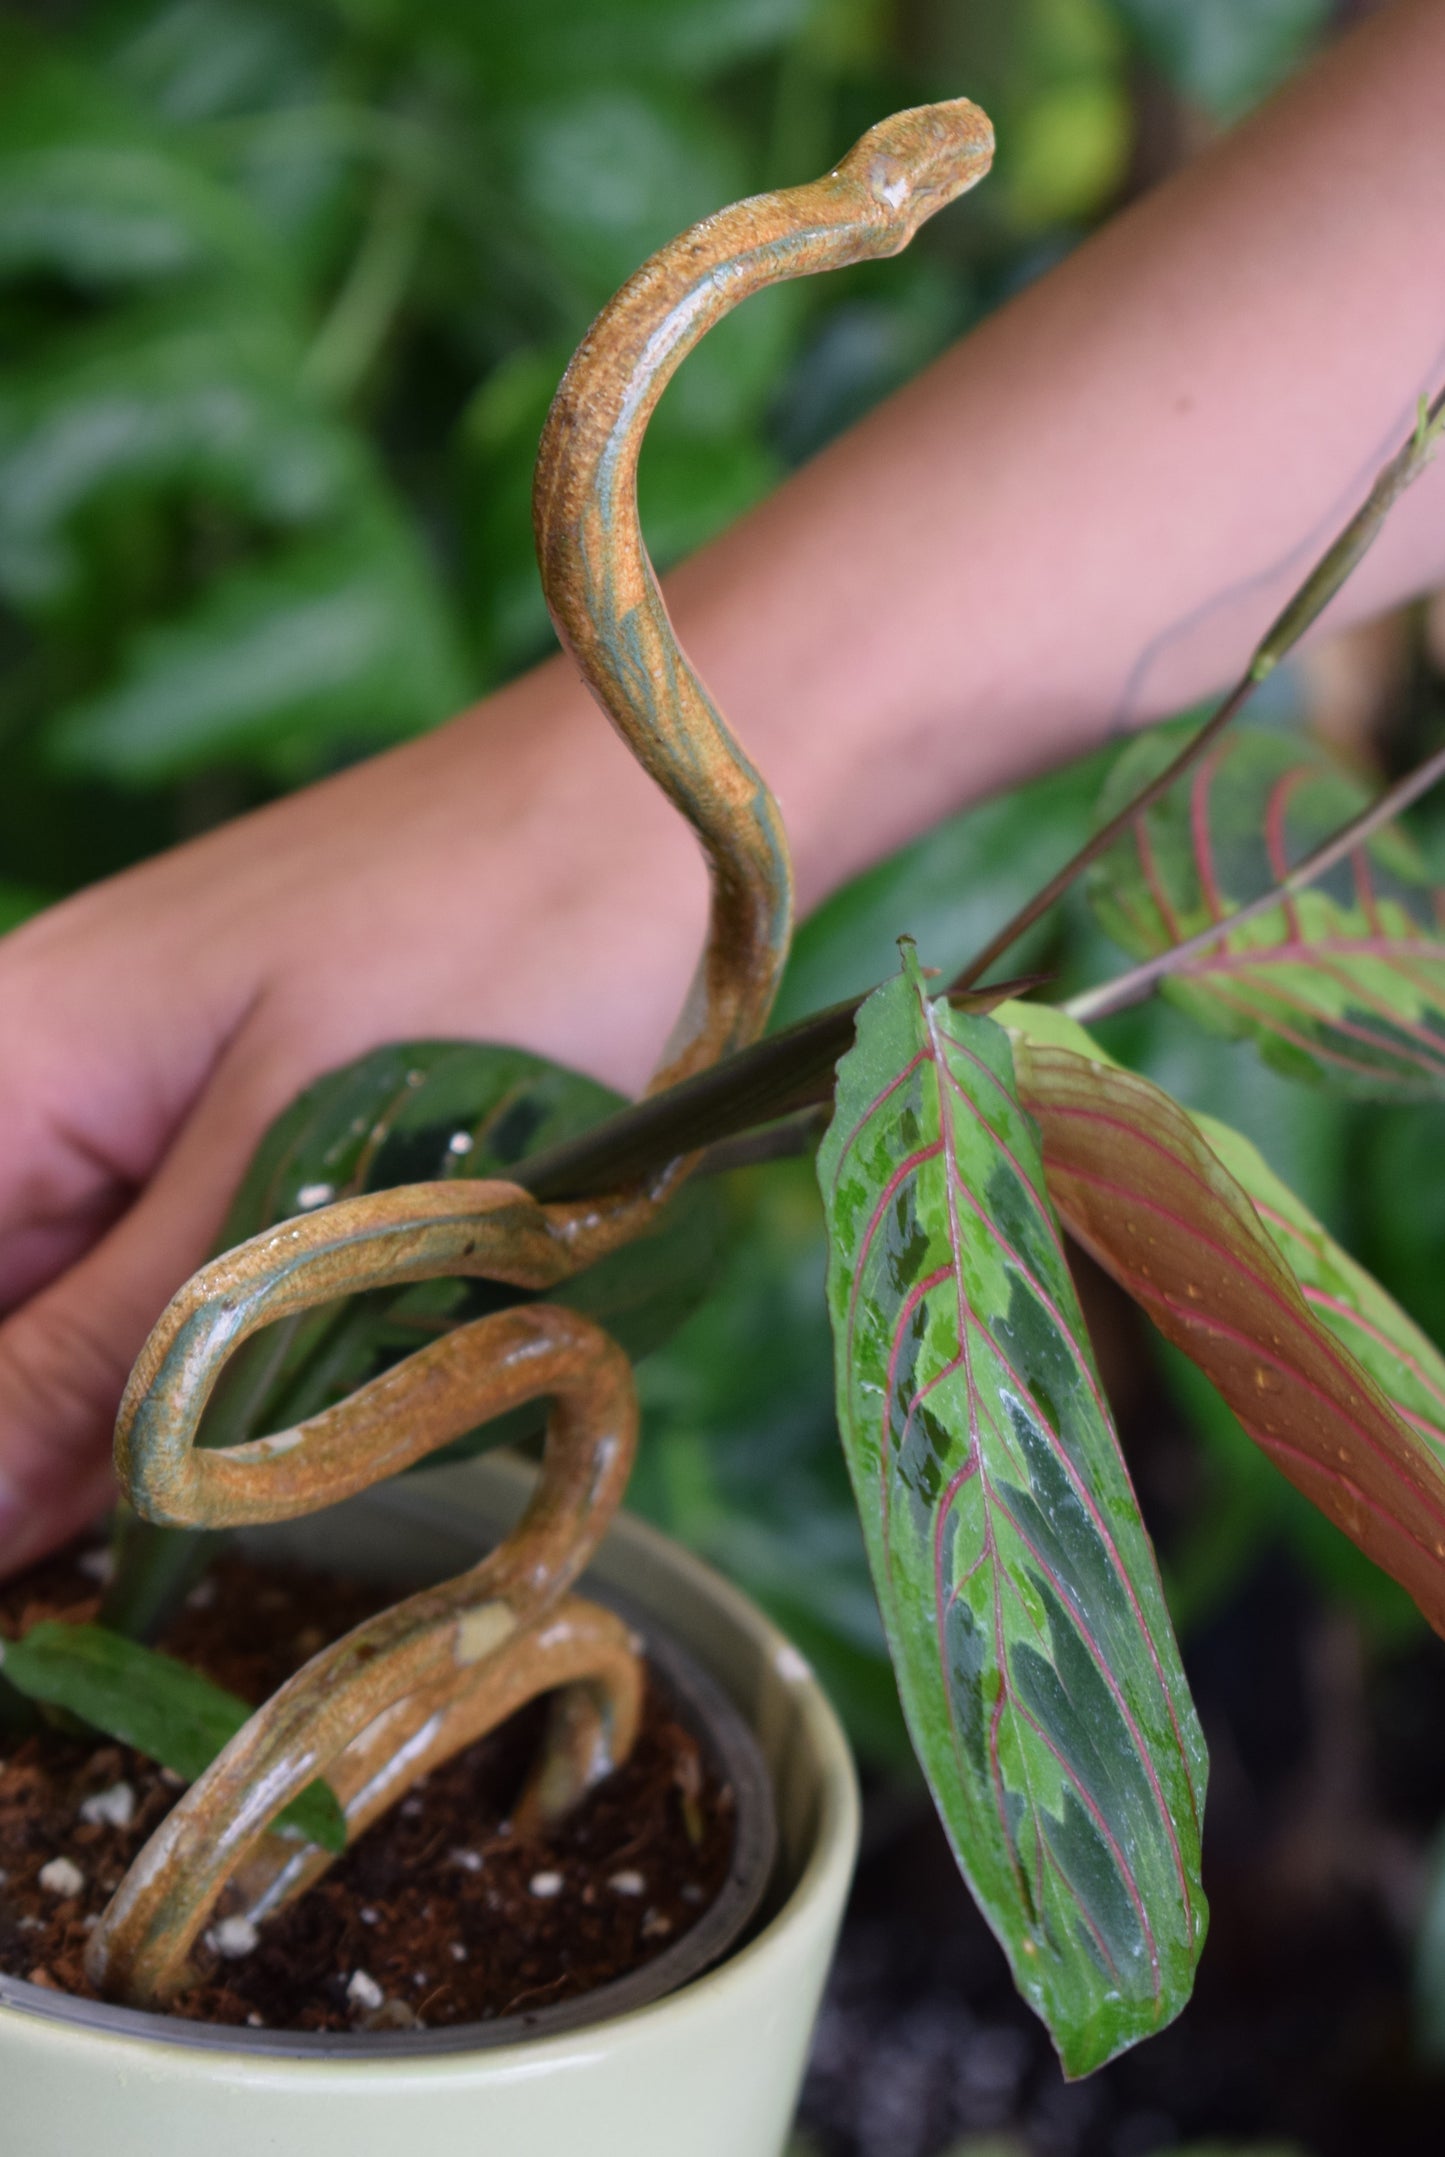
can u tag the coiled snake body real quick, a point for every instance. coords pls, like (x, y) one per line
(408, 1688)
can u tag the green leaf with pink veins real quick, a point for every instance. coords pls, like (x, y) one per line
(1033, 1651)
(1344, 982)
(1323, 1370)
(1346, 1300)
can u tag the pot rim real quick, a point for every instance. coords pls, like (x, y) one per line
(529, 2039)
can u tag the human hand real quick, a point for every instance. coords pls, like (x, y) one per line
(511, 877)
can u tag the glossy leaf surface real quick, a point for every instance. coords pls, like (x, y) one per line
(1403, 1360)
(160, 1706)
(1034, 1654)
(1168, 1206)
(1346, 981)
(420, 1112)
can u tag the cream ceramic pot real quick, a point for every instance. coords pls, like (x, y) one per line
(710, 2071)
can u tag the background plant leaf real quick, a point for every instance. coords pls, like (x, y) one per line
(89, 193)
(1139, 1184)
(160, 1706)
(1033, 1650)
(199, 398)
(325, 649)
(1344, 982)
(1224, 54)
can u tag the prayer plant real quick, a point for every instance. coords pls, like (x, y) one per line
(966, 1130)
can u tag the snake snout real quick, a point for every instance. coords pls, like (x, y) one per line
(914, 162)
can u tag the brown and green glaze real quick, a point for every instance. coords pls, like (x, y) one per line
(407, 1688)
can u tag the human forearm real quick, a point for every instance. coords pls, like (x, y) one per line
(1084, 514)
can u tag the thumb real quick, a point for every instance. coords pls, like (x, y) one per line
(65, 1355)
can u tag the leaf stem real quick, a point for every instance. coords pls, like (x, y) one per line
(1132, 987)
(774, 1078)
(355, 329)
(1298, 614)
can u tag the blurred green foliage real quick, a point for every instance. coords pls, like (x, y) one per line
(285, 289)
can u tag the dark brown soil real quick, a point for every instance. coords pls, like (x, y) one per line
(438, 1915)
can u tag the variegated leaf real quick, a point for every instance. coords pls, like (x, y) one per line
(1403, 1361)
(1321, 1368)
(1033, 1651)
(1345, 981)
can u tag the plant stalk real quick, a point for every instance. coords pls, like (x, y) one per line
(1132, 987)
(773, 1079)
(1298, 614)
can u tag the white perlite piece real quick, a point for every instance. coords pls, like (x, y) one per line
(459, 1953)
(627, 1883)
(62, 1876)
(469, 1860)
(114, 1807)
(97, 1564)
(363, 1991)
(792, 1668)
(314, 1194)
(545, 1884)
(233, 1937)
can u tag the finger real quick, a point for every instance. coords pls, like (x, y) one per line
(34, 1256)
(94, 1084)
(65, 1355)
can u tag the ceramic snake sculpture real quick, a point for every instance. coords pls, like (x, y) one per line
(410, 1687)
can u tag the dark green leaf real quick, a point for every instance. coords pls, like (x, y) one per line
(202, 59)
(163, 1708)
(419, 1112)
(1034, 1654)
(327, 648)
(606, 173)
(948, 890)
(689, 491)
(530, 49)
(1344, 982)
(1398, 1207)
(199, 400)
(1227, 53)
(89, 194)
(17, 904)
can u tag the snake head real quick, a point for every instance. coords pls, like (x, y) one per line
(915, 163)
